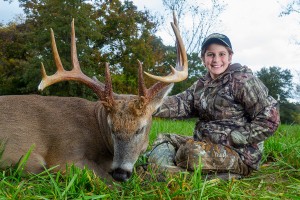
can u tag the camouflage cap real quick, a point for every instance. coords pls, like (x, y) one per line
(216, 38)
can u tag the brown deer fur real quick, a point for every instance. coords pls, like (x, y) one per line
(106, 136)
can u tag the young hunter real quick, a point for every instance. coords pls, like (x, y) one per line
(235, 115)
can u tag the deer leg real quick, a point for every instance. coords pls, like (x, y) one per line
(35, 164)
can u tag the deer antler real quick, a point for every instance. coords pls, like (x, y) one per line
(174, 76)
(182, 64)
(104, 93)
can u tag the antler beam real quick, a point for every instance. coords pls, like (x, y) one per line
(105, 94)
(182, 63)
(178, 74)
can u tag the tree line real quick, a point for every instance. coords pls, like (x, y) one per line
(108, 31)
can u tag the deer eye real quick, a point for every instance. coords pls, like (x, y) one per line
(139, 131)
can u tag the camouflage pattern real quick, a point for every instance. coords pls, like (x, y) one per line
(183, 152)
(163, 154)
(234, 111)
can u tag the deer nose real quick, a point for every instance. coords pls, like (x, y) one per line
(121, 174)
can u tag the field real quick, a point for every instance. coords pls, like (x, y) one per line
(279, 177)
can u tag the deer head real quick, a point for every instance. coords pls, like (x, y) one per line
(128, 116)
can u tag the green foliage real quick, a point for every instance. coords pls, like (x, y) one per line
(12, 56)
(296, 95)
(41, 16)
(290, 113)
(130, 37)
(278, 81)
(113, 32)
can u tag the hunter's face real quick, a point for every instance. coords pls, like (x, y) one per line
(216, 59)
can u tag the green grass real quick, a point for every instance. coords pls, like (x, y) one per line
(279, 177)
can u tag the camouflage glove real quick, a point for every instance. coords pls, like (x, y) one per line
(238, 139)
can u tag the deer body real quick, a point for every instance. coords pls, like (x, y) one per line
(106, 136)
(71, 130)
(59, 132)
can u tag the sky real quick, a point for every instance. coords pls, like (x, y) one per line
(260, 38)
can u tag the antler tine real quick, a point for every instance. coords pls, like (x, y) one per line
(108, 87)
(175, 76)
(49, 80)
(57, 60)
(74, 57)
(182, 63)
(144, 93)
(75, 74)
(179, 62)
(142, 86)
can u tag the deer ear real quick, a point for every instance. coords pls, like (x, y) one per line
(158, 99)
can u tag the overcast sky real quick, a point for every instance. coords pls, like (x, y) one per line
(260, 38)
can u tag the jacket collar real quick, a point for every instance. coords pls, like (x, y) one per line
(231, 68)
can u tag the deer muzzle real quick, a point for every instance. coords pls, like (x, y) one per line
(121, 175)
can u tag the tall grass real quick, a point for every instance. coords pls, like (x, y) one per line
(279, 177)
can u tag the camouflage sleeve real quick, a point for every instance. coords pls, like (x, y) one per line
(261, 109)
(178, 106)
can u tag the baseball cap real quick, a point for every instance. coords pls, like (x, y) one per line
(216, 37)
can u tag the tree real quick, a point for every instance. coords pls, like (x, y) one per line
(290, 113)
(106, 31)
(130, 37)
(297, 88)
(40, 17)
(13, 54)
(204, 20)
(292, 7)
(278, 81)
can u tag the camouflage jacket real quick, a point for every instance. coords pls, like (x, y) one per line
(234, 110)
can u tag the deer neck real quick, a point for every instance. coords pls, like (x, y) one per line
(104, 129)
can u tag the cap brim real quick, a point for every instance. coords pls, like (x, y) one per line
(215, 40)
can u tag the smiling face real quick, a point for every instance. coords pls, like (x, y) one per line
(216, 59)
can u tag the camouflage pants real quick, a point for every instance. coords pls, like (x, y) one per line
(184, 152)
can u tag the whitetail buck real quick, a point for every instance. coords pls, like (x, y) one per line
(106, 136)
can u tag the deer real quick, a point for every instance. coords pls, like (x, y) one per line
(106, 136)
